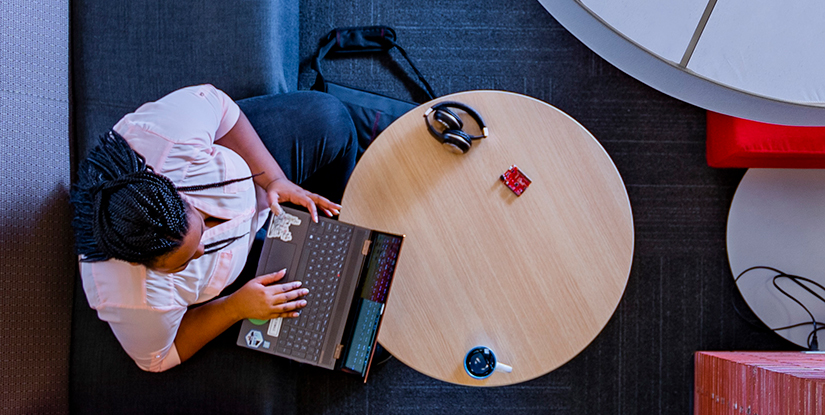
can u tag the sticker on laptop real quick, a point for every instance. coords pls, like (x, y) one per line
(254, 339)
(279, 226)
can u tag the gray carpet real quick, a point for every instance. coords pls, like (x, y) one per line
(680, 297)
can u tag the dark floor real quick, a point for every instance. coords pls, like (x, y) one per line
(680, 297)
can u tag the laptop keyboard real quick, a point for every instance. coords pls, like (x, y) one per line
(303, 337)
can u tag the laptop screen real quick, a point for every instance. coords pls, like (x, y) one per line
(370, 302)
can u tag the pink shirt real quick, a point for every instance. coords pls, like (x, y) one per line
(177, 135)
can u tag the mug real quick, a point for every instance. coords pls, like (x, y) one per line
(480, 362)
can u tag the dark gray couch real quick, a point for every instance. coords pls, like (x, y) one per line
(69, 72)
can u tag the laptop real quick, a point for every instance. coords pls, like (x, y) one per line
(348, 271)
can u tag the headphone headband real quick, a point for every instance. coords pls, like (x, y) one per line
(466, 108)
(453, 136)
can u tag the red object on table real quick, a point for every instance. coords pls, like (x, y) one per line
(516, 180)
(736, 142)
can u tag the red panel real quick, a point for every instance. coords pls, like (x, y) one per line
(736, 142)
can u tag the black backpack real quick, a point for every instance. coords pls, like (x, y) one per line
(370, 112)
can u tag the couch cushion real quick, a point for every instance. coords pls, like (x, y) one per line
(128, 52)
(736, 142)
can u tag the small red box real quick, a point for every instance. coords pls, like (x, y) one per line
(736, 142)
(516, 180)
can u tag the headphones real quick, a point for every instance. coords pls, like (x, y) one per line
(452, 136)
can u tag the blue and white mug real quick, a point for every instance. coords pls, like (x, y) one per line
(480, 362)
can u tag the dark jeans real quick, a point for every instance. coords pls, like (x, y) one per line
(310, 135)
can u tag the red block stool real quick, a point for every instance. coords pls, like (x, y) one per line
(736, 142)
(764, 383)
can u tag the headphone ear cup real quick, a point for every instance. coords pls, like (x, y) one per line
(449, 119)
(457, 141)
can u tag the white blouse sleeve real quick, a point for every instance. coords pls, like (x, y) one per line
(144, 315)
(147, 335)
(227, 108)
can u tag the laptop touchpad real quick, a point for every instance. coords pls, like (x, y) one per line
(280, 257)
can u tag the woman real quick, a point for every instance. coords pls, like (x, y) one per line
(168, 205)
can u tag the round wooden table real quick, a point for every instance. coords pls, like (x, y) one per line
(534, 277)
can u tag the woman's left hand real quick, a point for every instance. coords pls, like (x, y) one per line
(282, 190)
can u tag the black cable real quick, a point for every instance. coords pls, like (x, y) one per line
(793, 326)
(813, 343)
(756, 267)
(758, 326)
(812, 340)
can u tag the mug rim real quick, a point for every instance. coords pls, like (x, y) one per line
(492, 370)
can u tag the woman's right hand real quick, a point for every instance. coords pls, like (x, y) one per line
(262, 299)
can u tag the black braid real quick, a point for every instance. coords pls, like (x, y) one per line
(216, 246)
(124, 210)
(199, 187)
(140, 219)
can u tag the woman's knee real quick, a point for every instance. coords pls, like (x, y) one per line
(298, 113)
(331, 117)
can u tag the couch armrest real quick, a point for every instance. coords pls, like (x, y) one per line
(36, 264)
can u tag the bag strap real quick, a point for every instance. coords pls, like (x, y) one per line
(364, 39)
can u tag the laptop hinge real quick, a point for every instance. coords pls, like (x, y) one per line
(338, 349)
(366, 248)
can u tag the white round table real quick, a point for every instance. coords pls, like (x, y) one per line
(777, 219)
(760, 60)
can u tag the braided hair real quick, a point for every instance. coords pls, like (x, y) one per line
(124, 210)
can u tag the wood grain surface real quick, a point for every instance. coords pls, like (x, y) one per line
(534, 277)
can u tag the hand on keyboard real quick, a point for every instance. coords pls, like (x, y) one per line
(262, 299)
(282, 190)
